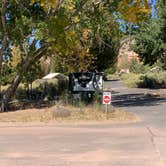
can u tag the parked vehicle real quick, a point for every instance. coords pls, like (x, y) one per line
(85, 85)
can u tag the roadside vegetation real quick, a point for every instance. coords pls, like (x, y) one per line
(144, 76)
(148, 80)
(131, 79)
(68, 113)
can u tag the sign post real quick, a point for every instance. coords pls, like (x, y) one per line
(106, 99)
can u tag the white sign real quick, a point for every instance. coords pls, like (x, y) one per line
(107, 98)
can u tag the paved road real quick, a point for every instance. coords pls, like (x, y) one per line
(91, 145)
(151, 109)
(141, 143)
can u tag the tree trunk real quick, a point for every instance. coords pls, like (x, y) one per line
(9, 93)
(26, 65)
(31, 88)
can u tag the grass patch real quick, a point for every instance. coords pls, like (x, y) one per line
(153, 80)
(132, 80)
(148, 80)
(77, 114)
(110, 77)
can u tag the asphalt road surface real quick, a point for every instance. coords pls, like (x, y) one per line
(92, 144)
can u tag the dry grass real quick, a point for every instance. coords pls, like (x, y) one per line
(96, 114)
(77, 114)
(29, 115)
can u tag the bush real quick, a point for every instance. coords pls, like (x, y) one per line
(137, 67)
(153, 80)
(110, 74)
(134, 66)
(41, 89)
(109, 71)
(148, 80)
(131, 80)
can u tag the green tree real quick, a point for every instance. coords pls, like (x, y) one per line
(150, 41)
(33, 73)
(162, 16)
(19, 19)
(106, 52)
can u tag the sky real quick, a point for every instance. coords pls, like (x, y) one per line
(153, 8)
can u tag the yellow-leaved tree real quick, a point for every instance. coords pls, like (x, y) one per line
(16, 56)
(134, 11)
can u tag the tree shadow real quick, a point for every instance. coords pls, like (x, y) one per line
(141, 99)
(29, 104)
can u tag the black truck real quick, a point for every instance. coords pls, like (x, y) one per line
(85, 85)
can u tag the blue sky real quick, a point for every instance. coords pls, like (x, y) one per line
(153, 7)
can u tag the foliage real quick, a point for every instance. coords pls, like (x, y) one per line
(85, 43)
(147, 80)
(93, 33)
(106, 52)
(123, 62)
(131, 14)
(153, 80)
(137, 67)
(150, 41)
(58, 64)
(134, 11)
(32, 74)
(148, 44)
(133, 65)
(6, 75)
(43, 89)
(131, 80)
(111, 70)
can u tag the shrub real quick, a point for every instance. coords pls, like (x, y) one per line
(124, 64)
(137, 67)
(153, 80)
(131, 80)
(109, 71)
(110, 74)
(133, 65)
(50, 89)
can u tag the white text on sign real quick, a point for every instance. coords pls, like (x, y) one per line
(106, 97)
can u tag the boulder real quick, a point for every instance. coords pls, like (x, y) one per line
(61, 113)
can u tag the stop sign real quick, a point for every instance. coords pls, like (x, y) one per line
(106, 97)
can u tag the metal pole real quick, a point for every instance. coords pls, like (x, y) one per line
(106, 109)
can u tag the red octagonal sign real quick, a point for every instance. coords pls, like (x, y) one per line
(106, 97)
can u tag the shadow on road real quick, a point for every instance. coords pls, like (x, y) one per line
(129, 100)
